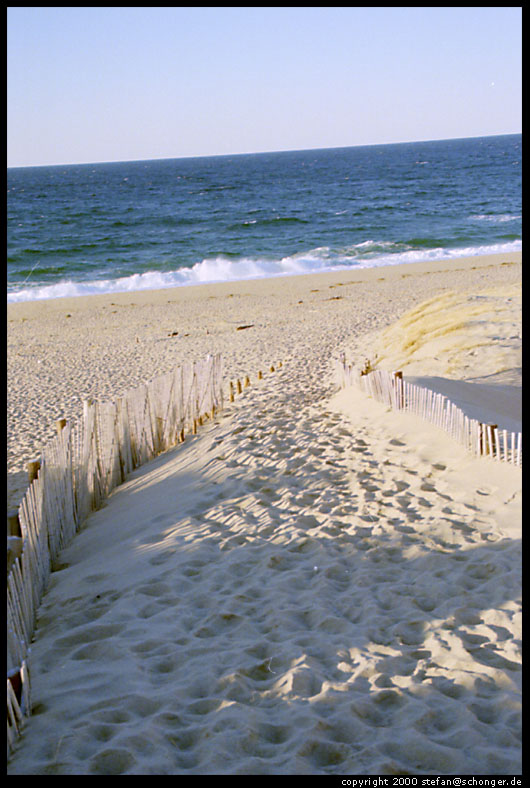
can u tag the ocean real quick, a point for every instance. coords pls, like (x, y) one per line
(124, 226)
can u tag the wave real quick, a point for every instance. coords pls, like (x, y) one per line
(367, 254)
(284, 220)
(267, 223)
(499, 218)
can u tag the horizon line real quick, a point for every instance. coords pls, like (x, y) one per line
(261, 152)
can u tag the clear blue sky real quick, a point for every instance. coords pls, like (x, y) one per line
(91, 84)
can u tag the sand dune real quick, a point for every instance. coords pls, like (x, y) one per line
(311, 585)
(466, 346)
(466, 336)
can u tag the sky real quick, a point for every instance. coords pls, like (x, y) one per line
(97, 84)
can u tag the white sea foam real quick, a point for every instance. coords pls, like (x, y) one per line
(367, 254)
(498, 218)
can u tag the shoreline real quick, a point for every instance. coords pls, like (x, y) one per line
(431, 266)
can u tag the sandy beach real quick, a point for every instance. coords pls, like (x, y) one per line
(309, 585)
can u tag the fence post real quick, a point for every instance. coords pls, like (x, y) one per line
(33, 470)
(487, 435)
(398, 388)
(491, 438)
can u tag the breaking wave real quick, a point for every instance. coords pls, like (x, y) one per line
(367, 254)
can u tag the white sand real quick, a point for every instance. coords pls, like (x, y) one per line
(311, 585)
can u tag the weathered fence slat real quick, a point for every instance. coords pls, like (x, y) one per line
(78, 469)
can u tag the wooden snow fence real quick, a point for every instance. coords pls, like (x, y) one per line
(78, 469)
(485, 440)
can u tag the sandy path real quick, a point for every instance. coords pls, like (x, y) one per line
(295, 591)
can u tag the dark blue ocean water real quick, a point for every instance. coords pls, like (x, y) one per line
(93, 228)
